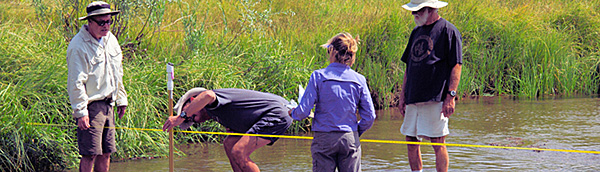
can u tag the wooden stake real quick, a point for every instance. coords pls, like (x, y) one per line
(170, 77)
(171, 162)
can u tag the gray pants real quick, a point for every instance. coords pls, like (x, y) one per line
(331, 150)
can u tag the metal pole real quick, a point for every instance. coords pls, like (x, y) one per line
(170, 77)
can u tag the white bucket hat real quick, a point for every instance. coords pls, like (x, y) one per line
(98, 8)
(179, 106)
(416, 5)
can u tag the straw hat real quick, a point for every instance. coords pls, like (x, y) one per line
(179, 106)
(416, 5)
(98, 8)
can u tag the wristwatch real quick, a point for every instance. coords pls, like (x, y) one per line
(187, 118)
(452, 93)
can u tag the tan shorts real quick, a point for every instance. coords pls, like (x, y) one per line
(425, 119)
(98, 139)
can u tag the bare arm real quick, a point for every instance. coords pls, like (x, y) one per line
(205, 98)
(401, 102)
(448, 106)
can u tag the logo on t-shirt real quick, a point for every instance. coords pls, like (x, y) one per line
(421, 48)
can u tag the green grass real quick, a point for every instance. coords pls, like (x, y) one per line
(529, 49)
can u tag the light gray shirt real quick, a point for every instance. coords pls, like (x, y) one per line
(95, 71)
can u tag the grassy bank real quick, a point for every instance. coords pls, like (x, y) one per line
(529, 49)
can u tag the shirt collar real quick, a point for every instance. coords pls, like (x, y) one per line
(338, 65)
(88, 36)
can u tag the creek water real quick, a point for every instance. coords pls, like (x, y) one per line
(569, 124)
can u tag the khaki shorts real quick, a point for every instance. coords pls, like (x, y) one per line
(98, 139)
(425, 119)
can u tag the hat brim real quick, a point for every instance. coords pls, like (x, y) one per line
(178, 107)
(112, 13)
(417, 7)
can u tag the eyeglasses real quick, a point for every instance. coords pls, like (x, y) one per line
(103, 22)
(421, 10)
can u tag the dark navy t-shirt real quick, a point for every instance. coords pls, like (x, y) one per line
(240, 109)
(431, 53)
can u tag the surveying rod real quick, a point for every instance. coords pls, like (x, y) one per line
(170, 77)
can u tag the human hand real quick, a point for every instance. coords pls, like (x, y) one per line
(290, 111)
(360, 132)
(448, 106)
(171, 122)
(401, 107)
(83, 122)
(121, 111)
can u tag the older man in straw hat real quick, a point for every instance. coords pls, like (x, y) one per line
(240, 111)
(434, 57)
(95, 85)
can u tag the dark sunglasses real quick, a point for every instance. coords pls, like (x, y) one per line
(421, 10)
(103, 22)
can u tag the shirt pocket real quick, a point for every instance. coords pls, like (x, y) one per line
(116, 56)
(97, 63)
(98, 57)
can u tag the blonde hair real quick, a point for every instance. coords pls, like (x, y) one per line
(343, 48)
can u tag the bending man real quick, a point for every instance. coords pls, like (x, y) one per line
(240, 111)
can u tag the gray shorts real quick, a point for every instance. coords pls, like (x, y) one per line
(275, 122)
(331, 150)
(97, 139)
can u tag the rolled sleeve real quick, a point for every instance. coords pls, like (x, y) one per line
(117, 54)
(121, 94)
(122, 100)
(77, 78)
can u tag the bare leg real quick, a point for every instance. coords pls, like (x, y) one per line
(441, 154)
(86, 163)
(102, 162)
(241, 150)
(414, 154)
(228, 144)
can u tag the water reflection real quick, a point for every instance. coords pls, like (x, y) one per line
(554, 124)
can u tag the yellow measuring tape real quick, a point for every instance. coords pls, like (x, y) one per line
(361, 140)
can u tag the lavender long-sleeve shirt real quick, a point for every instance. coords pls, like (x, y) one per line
(338, 93)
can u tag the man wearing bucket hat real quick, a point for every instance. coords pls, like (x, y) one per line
(240, 111)
(434, 57)
(95, 86)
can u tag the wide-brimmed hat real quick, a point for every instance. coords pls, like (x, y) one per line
(179, 106)
(416, 5)
(98, 8)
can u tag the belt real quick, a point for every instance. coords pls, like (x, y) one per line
(106, 100)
